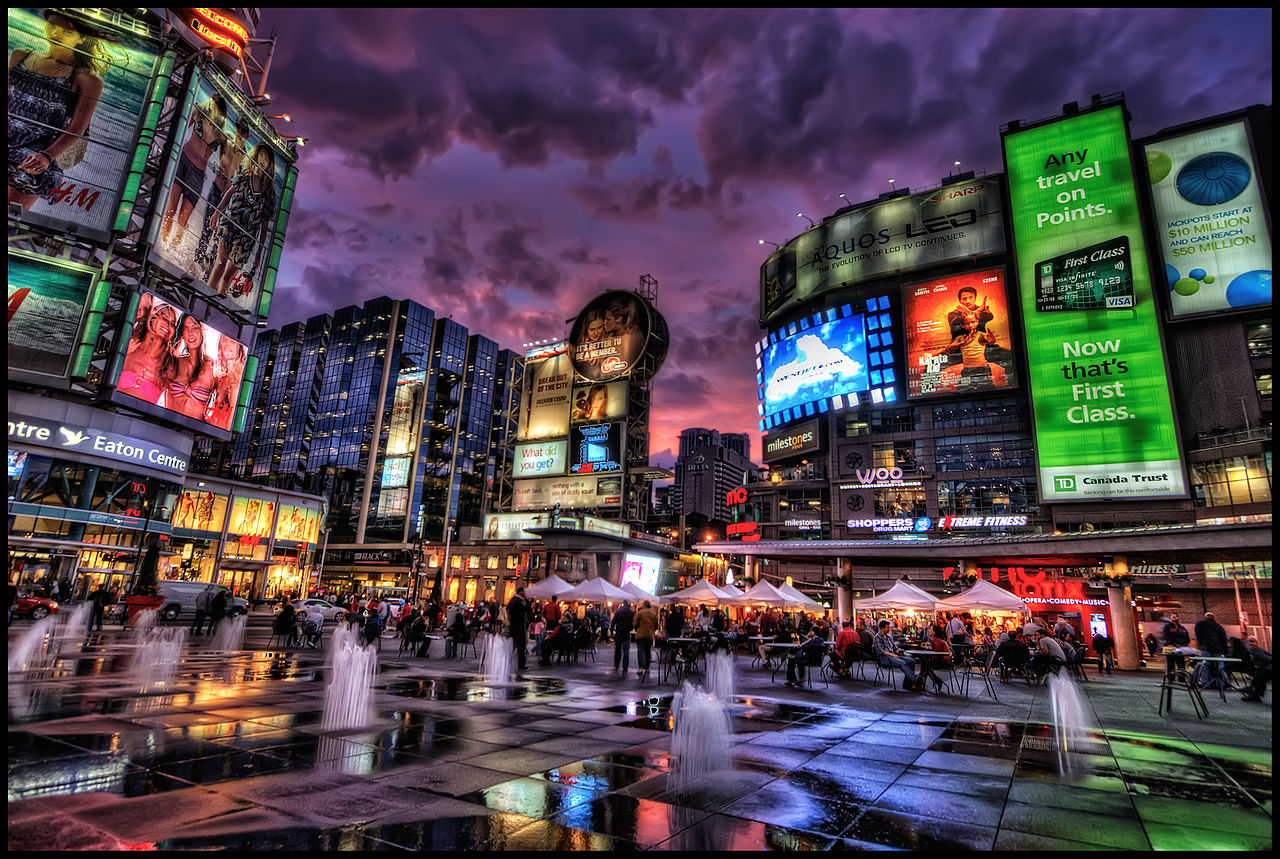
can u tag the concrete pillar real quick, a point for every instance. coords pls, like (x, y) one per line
(1123, 631)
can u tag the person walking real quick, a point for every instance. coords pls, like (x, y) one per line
(518, 620)
(622, 626)
(217, 609)
(1211, 638)
(1177, 637)
(1105, 648)
(203, 599)
(645, 628)
(100, 598)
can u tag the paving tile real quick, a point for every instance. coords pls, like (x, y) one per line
(1116, 832)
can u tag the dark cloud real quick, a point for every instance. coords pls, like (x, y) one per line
(450, 261)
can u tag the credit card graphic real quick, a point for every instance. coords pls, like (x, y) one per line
(1099, 277)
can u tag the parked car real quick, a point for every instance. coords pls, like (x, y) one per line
(33, 606)
(180, 599)
(332, 613)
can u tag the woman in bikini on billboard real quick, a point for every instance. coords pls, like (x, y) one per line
(191, 389)
(148, 362)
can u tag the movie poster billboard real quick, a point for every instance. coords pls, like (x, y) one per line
(221, 199)
(599, 402)
(544, 410)
(1211, 220)
(957, 331)
(178, 367)
(958, 221)
(250, 517)
(48, 300)
(201, 510)
(1099, 387)
(78, 90)
(298, 524)
(609, 336)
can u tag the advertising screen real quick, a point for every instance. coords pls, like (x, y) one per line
(540, 459)
(298, 524)
(511, 526)
(251, 517)
(957, 221)
(222, 199)
(957, 331)
(78, 90)
(1099, 388)
(599, 402)
(180, 367)
(609, 336)
(1211, 220)
(828, 362)
(596, 448)
(47, 303)
(569, 492)
(641, 571)
(199, 510)
(544, 411)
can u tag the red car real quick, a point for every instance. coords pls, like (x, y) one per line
(34, 607)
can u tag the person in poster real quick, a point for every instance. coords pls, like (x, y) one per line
(53, 94)
(953, 334)
(242, 224)
(228, 373)
(595, 406)
(207, 136)
(228, 158)
(191, 389)
(970, 348)
(149, 365)
(204, 511)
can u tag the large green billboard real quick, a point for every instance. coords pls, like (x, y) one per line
(1099, 389)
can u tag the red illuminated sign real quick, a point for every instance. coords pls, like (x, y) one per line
(736, 496)
(1036, 587)
(219, 30)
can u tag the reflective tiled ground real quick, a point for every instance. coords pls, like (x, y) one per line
(577, 758)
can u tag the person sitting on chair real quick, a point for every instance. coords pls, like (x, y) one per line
(891, 656)
(848, 649)
(457, 634)
(807, 654)
(286, 625)
(1049, 655)
(559, 639)
(372, 628)
(415, 635)
(1013, 655)
(312, 627)
(1261, 663)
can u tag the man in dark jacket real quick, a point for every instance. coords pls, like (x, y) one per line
(623, 623)
(1175, 635)
(1211, 638)
(518, 619)
(1261, 670)
(1104, 647)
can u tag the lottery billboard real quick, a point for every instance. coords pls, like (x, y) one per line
(1099, 386)
(1211, 220)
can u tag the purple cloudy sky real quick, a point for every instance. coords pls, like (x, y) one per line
(504, 167)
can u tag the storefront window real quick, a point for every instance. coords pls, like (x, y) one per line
(901, 502)
(905, 455)
(1238, 570)
(987, 497)
(491, 562)
(983, 452)
(1235, 480)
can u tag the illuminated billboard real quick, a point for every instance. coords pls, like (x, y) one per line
(180, 368)
(548, 382)
(641, 571)
(572, 491)
(540, 459)
(955, 222)
(957, 332)
(251, 517)
(1211, 220)
(609, 336)
(842, 358)
(298, 524)
(1099, 388)
(222, 199)
(200, 510)
(596, 448)
(599, 402)
(48, 305)
(78, 95)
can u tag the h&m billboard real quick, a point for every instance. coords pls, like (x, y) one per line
(1099, 387)
(957, 221)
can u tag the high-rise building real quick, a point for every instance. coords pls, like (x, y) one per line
(399, 418)
(710, 465)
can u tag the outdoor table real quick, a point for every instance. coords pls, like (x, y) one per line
(927, 659)
(784, 652)
(757, 661)
(1198, 671)
(667, 650)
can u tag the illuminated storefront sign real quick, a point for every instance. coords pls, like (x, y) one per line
(64, 436)
(1211, 220)
(1035, 587)
(1100, 392)
(800, 440)
(923, 524)
(539, 459)
(218, 29)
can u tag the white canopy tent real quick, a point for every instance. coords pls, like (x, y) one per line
(805, 600)
(903, 595)
(595, 590)
(548, 589)
(638, 594)
(763, 592)
(731, 591)
(701, 591)
(984, 596)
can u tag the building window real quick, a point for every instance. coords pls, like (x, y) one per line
(983, 452)
(1258, 338)
(893, 420)
(987, 497)
(975, 413)
(906, 455)
(854, 426)
(1235, 480)
(901, 502)
(1262, 380)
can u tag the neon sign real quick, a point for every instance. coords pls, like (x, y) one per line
(1036, 587)
(219, 30)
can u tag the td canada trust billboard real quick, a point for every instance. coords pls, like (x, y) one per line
(1099, 388)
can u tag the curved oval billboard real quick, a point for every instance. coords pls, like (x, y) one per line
(609, 336)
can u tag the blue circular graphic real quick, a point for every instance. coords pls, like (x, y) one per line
(1171, 274)
(1250, 288)
(1213, 178)
(923, 523)
(1197, 273)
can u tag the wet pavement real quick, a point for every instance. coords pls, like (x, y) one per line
(576, 757)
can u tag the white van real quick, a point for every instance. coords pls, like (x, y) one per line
(180, 599)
